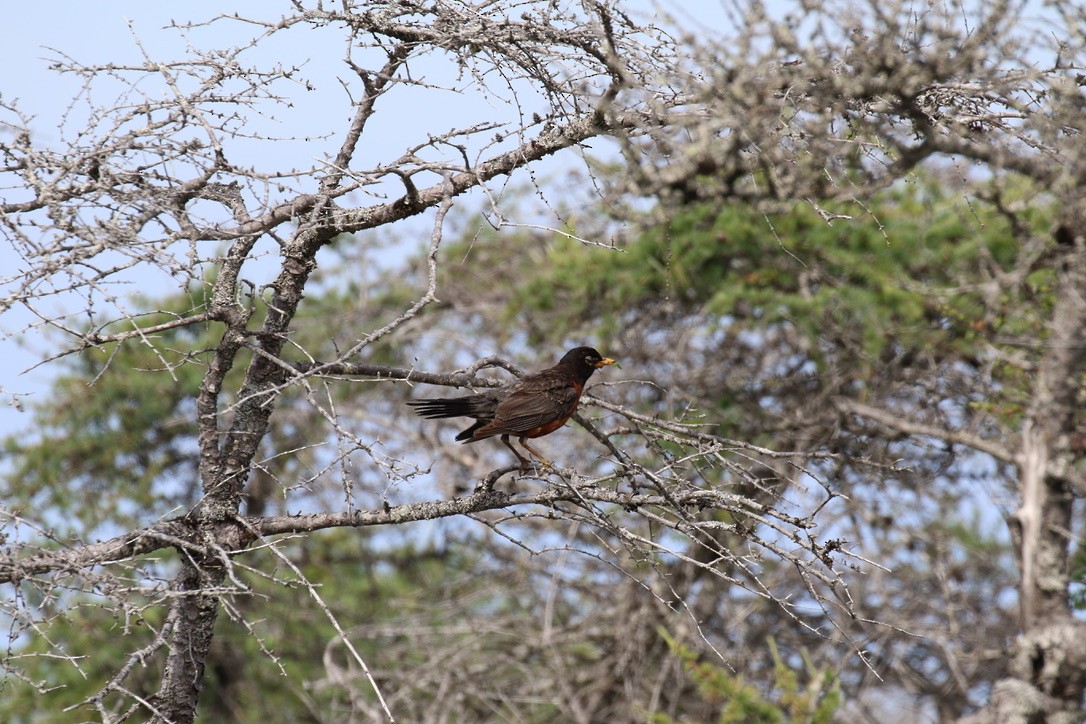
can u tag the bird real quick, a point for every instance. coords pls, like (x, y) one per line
(533, 406)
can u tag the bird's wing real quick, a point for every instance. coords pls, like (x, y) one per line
(535, 402)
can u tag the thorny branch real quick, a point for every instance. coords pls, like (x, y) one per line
(826, 109)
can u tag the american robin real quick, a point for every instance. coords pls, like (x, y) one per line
(533, 406)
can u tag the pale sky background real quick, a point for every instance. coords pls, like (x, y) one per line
(30, 37)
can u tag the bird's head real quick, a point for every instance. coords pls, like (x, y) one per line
(586, 358)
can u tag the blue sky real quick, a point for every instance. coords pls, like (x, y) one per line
(34, 34)
(31, 37)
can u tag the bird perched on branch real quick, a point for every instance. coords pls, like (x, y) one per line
(531, 407)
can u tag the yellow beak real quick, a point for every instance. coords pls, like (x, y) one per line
(604, 362)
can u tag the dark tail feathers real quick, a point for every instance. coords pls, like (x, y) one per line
(449, 407)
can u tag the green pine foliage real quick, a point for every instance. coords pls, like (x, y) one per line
(115, 442)
(810, 696)
(898, 279)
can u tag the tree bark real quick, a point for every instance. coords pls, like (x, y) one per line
(1049, 658)
(192, 622)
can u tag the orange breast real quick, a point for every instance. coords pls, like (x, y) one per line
(546, 428)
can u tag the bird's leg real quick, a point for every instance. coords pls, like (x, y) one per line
(546, 463)
(523, 460)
